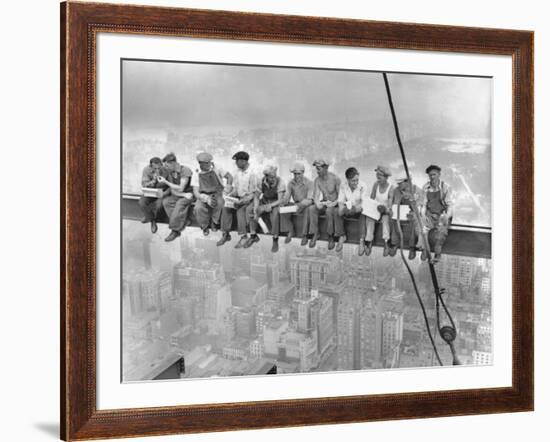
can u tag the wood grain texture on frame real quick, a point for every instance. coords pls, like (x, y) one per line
(80, 23)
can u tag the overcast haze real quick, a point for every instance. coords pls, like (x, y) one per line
(163, 94)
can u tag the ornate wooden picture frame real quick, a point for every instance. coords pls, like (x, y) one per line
(81, 24)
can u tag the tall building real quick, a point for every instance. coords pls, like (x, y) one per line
(262, 320)
(245, 321)
(217, 299)
(300, 347)
(146, 290)
(304, 308)
(246, 292)
(192, 277)
(264, 270)
(258, 266)
(391, 334)
(323, 317)
(370, 334)
(309, 272)
(280, 295)
(348, 334)
(273, 333)
(482, 357)
(456, 271)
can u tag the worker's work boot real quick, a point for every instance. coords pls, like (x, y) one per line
(289, 236)
(242, 242)
(368, 248)
(253, 238)
(313, 241)
(361, 247)
(225, 238)
(173, 235)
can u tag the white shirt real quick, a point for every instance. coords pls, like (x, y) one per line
(352, 197)
(244, 182)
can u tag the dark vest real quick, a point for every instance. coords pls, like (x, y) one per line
(209, 182)
(434, 202)
(270, 194)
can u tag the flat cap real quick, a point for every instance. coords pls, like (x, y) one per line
(433, 167)
(241, 155)
(383, 170)
(204, 157)
(320, 162)
(401, 179)
(270, 169)
(298, 167)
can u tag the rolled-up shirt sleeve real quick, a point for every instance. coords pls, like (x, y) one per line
(449, 199)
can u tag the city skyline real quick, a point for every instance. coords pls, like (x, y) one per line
(297, 310)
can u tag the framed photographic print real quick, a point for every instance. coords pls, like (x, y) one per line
(276, 220)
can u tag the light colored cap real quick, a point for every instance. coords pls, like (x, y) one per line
(298, 168)
(270, 169)
(320, 162)
(383, 170)
(204, 157)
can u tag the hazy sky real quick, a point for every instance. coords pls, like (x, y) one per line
(161, 94)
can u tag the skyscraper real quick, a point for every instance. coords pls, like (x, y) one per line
(392, 334)
(308, 272)
(246, 292)
(146, 290)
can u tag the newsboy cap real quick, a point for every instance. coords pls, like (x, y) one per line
(204, 157)
(383, 170)
(433, 167)
(270, 169)
(241, 155)
(320, 162)
(298, 168)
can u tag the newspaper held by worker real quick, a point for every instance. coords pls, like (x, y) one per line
(288, 209)
(229, 201)
(151, 192)
(370, 208)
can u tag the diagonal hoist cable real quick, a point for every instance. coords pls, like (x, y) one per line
(447, 332)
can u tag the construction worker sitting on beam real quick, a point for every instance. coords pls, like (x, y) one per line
(208, 187)
(151, 206)
(382, 193)
(402, 196)
(325, 201)
(437, 209)
(272, 190)
(245, 187)
(300, 191)
(350, 200)
(178, 203)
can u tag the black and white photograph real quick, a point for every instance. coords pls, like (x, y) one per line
(284, 220)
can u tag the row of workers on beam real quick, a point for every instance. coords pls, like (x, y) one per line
(257, 197)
